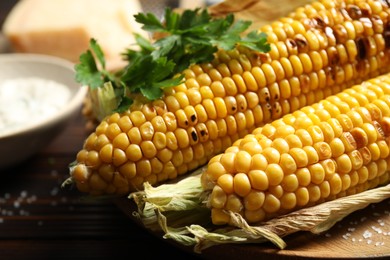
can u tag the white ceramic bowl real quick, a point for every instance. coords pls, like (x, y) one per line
(24, 141)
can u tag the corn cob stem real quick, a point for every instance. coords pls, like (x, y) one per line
(317, 51)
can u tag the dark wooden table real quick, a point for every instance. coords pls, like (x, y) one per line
(40, 220)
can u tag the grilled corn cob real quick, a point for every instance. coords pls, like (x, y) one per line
(316, 51)
(334, 148)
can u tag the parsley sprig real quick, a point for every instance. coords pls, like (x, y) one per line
(192, 37)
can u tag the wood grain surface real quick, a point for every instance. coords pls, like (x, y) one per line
(40, 220)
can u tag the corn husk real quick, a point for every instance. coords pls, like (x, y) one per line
(179, 211)
(260, 12)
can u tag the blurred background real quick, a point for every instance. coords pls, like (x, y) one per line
(63, 27)
(154, 6)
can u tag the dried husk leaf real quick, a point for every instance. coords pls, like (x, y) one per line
(260, 12)
(179, 210)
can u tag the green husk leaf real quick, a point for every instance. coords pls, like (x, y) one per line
(104, 99)
(180, 212)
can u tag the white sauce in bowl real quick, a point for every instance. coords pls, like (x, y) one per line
(24, 101)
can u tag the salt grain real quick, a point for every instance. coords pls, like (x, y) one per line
(54, 191)
(23, 194)
(26, 100)
(367, 234)
(379, 243)
(16, 204)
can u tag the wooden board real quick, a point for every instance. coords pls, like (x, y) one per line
(363, 234)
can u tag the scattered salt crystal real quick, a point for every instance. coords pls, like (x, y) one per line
(351, 229)
(54, 191)
(16, 204)
(379, 243)
(367, 234)
(369, 241)
(31, 199)
(23, 194)
(376, 229)
(23, 213)
(363, 219)
(345, 237)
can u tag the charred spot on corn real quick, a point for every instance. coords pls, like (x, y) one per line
(386, 35)
(361, 44)
(354, 11)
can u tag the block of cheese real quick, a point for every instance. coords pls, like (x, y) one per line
(63, 28)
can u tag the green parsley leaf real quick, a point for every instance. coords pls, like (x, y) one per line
(87, 71)
(149, 21)
(256, 41)
(145, 44)
(191, 37)
(124, 104)
(98, 52)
